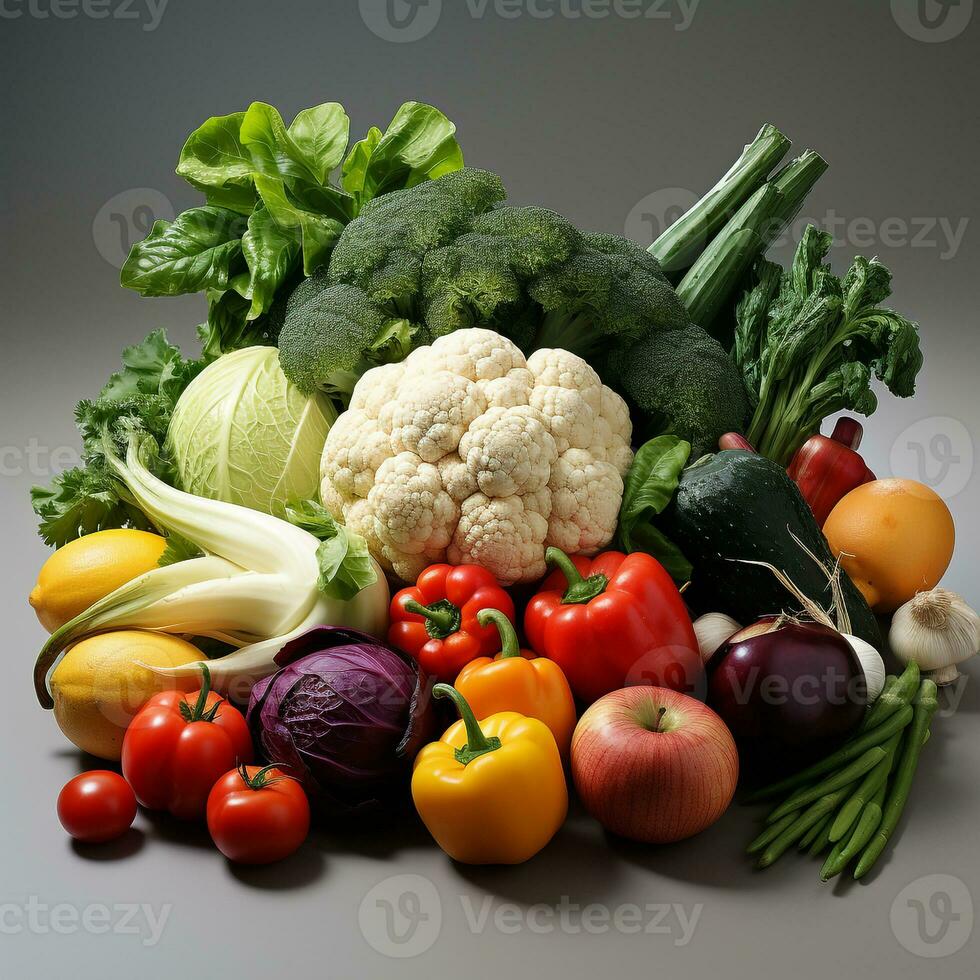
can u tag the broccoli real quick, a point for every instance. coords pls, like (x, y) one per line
(682, 382)
(447, 254)
(331, 335)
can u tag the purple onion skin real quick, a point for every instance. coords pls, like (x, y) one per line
(798, 687)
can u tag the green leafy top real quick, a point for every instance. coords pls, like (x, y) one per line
(140, 397)
(345, 562)
(277, 199)
(809, 344)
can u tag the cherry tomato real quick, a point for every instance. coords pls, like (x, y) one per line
(97, 806)
(257, 816)
(179, 745)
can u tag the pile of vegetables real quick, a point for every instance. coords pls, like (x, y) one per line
(286, 564)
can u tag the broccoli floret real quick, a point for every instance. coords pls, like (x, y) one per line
(331, 335)
(681, 382)
(382, 250)
(610, 288)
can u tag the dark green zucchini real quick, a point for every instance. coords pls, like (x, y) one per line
(739, 505)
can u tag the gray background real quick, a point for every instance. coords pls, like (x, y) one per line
(589, 115)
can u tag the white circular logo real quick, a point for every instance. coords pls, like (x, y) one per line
(401, 916)
(936, 451)
(652, 215)
(127, 219)
(933, 916)
(400, 21)
(932, 21)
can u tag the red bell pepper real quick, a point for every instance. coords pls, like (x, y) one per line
(827, 469)
(435, 621)
(613, 621)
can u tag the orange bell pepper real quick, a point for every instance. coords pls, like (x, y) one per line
(518, 680)
(493, 791)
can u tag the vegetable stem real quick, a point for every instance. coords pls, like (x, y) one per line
(875, 779)
(925, 706)
(477, 743)
(838, 780)
(509, 647)
(679, 245)
(811, 816)
(580, 590)
(708, 285)
(442, 618)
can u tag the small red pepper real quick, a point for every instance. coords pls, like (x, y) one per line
(827, 469)
(435, 621)
(613, 621)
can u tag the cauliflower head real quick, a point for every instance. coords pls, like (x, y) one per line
(468, 451)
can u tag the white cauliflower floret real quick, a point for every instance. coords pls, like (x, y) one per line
(501, 534)
(414, 517)
(468, 452)
(353, 457)
(585, 498)
(430, 417)
(509, 450)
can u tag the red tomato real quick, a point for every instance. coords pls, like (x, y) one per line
(97, 806)
(257, 816)
(179, 745)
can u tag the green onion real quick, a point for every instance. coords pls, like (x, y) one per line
(679, 245)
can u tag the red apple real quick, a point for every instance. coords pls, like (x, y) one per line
(653, 765)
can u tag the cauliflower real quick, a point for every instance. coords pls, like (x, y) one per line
(469, 452)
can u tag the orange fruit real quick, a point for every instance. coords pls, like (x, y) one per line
(896, 537)
(88, 569)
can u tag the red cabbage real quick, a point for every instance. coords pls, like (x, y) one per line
(347, 714)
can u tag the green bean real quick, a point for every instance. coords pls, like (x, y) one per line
(813, 815)
(838, 780)
(822, 841)
(815, 831)
(892, 697)
(925, 706)
(770, 833)
(852, 749)
(876, 777)
(850, 847)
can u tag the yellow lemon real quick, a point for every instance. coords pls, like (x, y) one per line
(88, 569)
(100, 685)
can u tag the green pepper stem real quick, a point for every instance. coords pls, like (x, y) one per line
(580, 590)
(509, 647)
(442, 618)
(477, 743)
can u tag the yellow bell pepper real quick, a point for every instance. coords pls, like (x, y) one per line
(493, 791)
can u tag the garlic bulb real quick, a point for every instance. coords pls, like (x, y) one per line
(937, 630)
(712, 630)
(871, 663)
